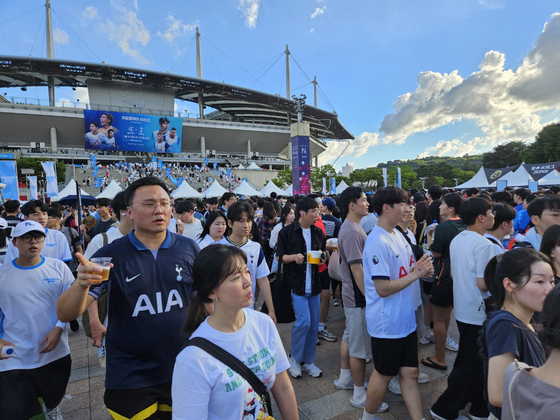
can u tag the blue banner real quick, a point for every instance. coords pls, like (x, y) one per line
(324, 186)
(159, 163)
(32, 187)
(52, 185)
(132, 132)
(98, 181)
(333, 185)
(215, 164)
(229, 172)
(300, 165)
(168, 171)
(77, 165)
(95, 169)
(8, 176)
(172, 179)
(399, 177)
(206, 161)
(179, 181)
(6, 156)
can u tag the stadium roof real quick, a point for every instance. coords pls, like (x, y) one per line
(235, 102)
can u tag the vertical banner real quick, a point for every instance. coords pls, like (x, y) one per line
(32, 187)
(215, 164)
(333, 185)
(206, 161)
(98, 181)
(154, 162)
(324, 186)
(229, 172)
(95, 169)
(385, 176)
(301, 158)
(52, 185)
(399, 177)
(8, 176)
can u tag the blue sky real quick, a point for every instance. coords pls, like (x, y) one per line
(407, 78)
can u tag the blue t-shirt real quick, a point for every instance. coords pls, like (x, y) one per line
(504, 332)
(148, 296)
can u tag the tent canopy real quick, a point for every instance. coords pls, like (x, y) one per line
(271, 187)
(341, 187)
(254, 167)
(552, 178)
(186, 191)
(518, 178)
(68, 195)
(289, 191)
(480, 180)
(245, 189)
(214, 190)
(111, 190)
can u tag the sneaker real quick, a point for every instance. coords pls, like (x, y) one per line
(423, 378)
(336, 302)
(451, 345)
(295, 367)
(318, 342)
(471, 417)
(311, 369)
(382, 408)
(427, 339)
(54, 414)
(395, 385)
(326, 335)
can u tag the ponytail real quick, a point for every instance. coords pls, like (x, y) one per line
(196, 315)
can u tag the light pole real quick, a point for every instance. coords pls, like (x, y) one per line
(456, 181)
(423, 178)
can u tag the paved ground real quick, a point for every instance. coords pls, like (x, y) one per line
(317, 398)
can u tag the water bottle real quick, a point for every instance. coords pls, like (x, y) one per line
(7, 351)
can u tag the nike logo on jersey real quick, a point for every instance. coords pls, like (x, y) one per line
(128, 280)
(398, 255)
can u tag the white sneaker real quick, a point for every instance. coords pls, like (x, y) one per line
(427, 339)
(295, 368)
(382, 408)
(395, 385)
(451, 345)
(52, 415)
(311, 369)
(423, 378)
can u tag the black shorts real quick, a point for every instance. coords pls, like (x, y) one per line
(390, 354)
(442, 295)
(427, 287)
(21, 388)
(325, 280)
(150, 403)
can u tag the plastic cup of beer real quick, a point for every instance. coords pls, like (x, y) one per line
(334, 243)
(105, 264)
(314, 257)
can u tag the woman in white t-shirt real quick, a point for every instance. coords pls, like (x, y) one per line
(202, 386)
(214, 229)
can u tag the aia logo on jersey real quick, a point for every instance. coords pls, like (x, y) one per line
(375, 259)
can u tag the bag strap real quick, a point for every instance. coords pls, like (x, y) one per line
(233, 362)
(105, 238)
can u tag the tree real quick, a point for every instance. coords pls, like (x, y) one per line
(408, 176)
(369, 178)
(283, 179)
(35, 164)
(546, 148)
(504, 155)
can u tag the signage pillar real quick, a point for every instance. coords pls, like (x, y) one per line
(301, 156)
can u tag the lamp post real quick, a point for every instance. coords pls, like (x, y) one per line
(423, 178)
(456, 181)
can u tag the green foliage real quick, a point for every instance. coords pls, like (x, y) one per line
(546, 148)
(35, 164)
(369, 178)
(504, 155)
(466, 163)
(283, 179)
(325, 171)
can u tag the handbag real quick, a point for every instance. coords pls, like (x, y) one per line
(281, 291)
(335, 272)
(237, 365)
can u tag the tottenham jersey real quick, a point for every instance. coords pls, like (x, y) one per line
(55, 246)
(148, 294)
(256, 262)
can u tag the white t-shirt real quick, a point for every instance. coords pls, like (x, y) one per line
(93, 138)
(469, 253)
(388, 256)
(192, 230)
(416, 285)
(205, 388)
(97, 241)
(55, 246)
(204, 242)
(28, 311)
(256, 262)
(307, 238)
(274, 235)
(498, 247)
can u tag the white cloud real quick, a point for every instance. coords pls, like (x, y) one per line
(312, 30)
(318, 11)
(504, 103)
(250, 9)
(82, 95)
(175, 29)
(90, 12)
(60, 36)
(357, 147)
(128, 31)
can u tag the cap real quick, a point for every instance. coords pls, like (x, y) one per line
(329, 202)
(27, 226)
(3, 223)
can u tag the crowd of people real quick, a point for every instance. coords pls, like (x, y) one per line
(179, 321)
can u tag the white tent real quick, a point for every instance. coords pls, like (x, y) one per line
(271, 187)
(240, 166)
(186, 191)
(552, 178)
(245, 189)
(478, 181)
(111, 190)
(341, 187)
(214, 190)
(289, 191)
(68, 195)
(254, 167)
(518, 178)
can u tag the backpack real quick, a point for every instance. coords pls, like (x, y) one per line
(101, 303)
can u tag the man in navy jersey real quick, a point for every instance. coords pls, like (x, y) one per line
(149, 290)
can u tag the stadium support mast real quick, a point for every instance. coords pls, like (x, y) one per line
(199, 74)
(314, 91)
(50, 51)
(288, 87)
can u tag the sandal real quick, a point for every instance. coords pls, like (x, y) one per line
(430, 363)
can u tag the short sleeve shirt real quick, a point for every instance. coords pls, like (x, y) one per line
(351, 242)
(55, 246)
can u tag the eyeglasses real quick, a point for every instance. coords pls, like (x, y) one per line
(165, 205)
(28, 237)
